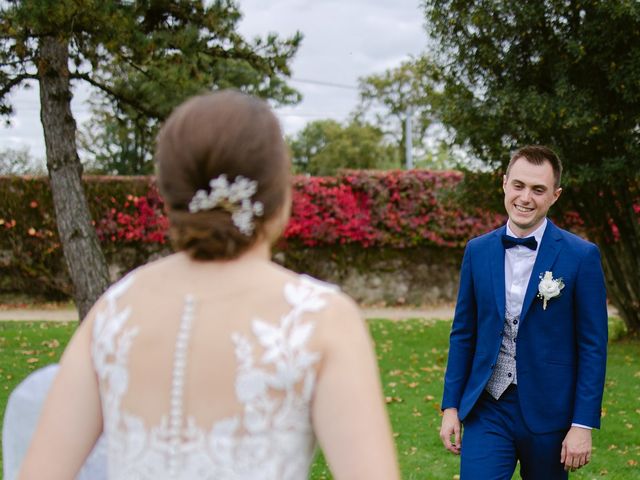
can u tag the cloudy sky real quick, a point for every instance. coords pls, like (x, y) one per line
(343, 41)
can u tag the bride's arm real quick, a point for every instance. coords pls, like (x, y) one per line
(349, 414)
(71, 419)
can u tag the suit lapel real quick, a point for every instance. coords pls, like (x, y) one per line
(497, 270)
(549, 248)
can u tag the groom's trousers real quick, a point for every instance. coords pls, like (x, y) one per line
(495, 437)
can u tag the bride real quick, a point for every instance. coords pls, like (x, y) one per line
(214, 362)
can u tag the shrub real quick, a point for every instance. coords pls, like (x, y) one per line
(391, 209)
(362, 209)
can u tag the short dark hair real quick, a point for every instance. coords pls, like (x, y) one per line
(538, 154)
(229, 133)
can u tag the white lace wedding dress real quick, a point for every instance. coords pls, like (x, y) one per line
(207, 397)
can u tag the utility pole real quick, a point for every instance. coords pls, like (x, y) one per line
(408, 139)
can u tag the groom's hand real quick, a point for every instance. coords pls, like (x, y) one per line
(451, 427)
(576, 448)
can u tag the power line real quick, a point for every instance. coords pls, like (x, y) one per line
(325, 84)
(308, 115)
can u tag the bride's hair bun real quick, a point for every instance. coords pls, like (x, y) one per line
(223, 133)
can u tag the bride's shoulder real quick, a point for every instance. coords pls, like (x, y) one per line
(338, 319)
(336, 304)
(165, 264)
(120, 287)
(300, 287)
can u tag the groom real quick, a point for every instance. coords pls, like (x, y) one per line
(527, 355)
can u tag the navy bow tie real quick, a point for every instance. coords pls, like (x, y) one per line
(530, 242)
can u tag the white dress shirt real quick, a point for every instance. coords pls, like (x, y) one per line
(518, 265)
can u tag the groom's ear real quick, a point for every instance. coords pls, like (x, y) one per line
(556, 194)
(504, 182)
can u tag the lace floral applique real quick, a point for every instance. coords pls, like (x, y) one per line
(111, 346)
(272, 439)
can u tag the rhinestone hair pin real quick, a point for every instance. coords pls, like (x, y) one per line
(234, 198)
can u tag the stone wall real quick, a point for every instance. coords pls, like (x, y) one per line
(374, 277)
(419, 276)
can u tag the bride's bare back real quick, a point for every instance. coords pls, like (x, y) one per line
(208, 369)
(226, 370)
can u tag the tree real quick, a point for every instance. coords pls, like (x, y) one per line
(561, 73)
(147, 55)
(325, 146)
(19, 162)
(409, 89)
(117, 143)
(120, 139)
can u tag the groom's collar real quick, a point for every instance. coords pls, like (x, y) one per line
(537, 233)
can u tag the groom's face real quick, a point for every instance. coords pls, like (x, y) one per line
(529, 192)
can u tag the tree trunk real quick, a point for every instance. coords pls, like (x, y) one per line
(623, 282)
(621, 256)
(85, 260)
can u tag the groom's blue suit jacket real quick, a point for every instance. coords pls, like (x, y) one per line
(560, 351)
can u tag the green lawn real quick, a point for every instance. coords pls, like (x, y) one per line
(412, 356)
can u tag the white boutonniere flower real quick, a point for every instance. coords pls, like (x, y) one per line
(549, 288)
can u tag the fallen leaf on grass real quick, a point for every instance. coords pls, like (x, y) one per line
(392, 399)
(51, 343)
(33, 360)
(411, 451)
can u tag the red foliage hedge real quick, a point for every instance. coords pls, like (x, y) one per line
(393, 209)
(396, 209)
